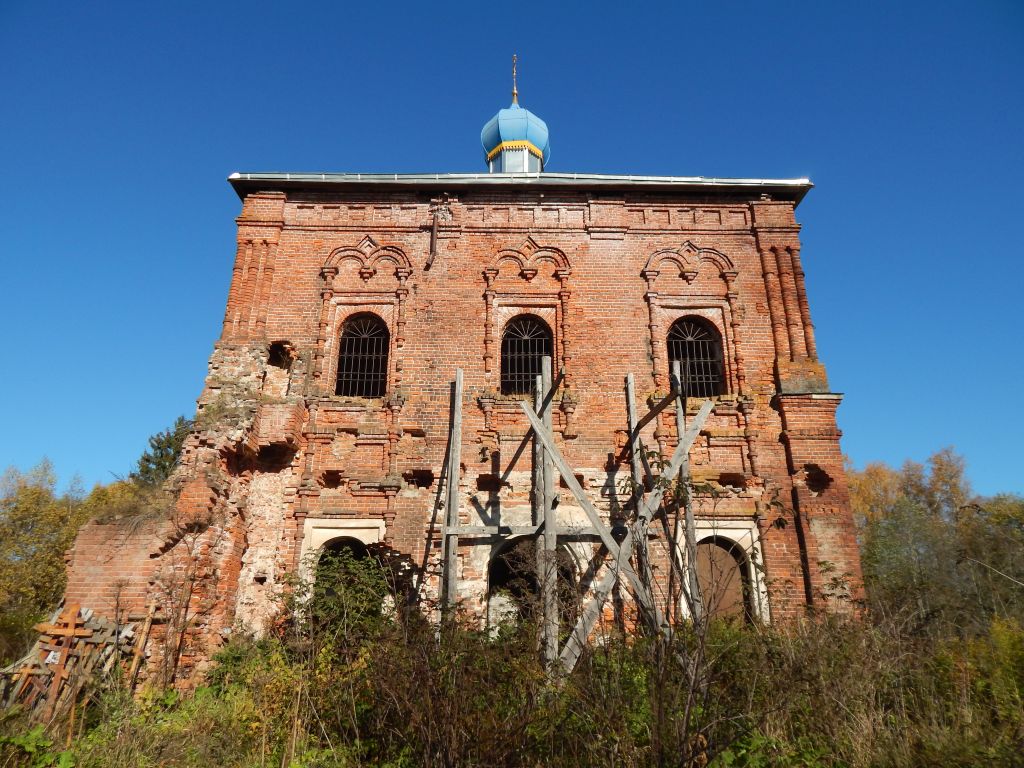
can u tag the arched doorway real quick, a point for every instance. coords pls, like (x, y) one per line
(513, 592)
(722, 573)
(355, 580)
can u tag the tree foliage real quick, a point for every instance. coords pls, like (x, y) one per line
(942, 559)
(157, 463)
(36, 526)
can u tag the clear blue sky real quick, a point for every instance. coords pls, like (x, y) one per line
(120, 122)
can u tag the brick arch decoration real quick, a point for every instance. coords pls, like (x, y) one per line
(528, 257)
(341, 301)
(686, 258)
(546, 302)
(371, 257)
(665, 306)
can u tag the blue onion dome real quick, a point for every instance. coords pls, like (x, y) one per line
(515, 140)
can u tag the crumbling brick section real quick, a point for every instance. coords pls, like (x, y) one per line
(821, 499)
(279, 464)
(277, 424)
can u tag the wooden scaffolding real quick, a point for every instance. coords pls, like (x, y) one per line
(624, 544)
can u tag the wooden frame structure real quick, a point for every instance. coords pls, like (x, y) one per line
(625, 550)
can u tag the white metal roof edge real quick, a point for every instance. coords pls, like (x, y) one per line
(516, 178)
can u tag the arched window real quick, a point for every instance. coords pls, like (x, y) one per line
(363, 357)
(526, 340)
(695, 343)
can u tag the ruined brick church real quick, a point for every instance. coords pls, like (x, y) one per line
(326, 414)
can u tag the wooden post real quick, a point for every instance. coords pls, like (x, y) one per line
(451, 538)
(691, 585)
(140, 645)
(622, 563)
(648, 608)
(536, 478)
(538, 507)
(639, 491)
(634, 445)
(578, 638)
(550, 583)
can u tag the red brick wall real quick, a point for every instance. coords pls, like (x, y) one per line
(608, 273)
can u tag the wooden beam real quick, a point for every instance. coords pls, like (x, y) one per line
(664, 403)
(690, 582)
(529, 433)
(680, 455)
(495, 530)
(634, 443)
(451, 541)
(635, 450)
(585, 625)
(610, 544)
(519, 530)
(549, 589)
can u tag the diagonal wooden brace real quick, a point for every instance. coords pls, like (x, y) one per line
(664, 403)
(548, 398)
(585, 625)
(595, 519)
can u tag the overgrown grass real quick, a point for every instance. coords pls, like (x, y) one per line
(932, 675)
(392, 690)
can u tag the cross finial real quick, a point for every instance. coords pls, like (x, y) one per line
(515, 92)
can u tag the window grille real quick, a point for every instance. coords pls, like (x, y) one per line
(698, 348)
(526, 340)
(363, 357)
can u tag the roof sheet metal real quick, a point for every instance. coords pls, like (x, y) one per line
(245, 182)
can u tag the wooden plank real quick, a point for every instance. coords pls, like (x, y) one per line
(692, 586)
(634, 445)
(495, 530)
(585, 625)
(570, 480)
(621, 563)
(139, 651)
(451, 541)
(537, 470)
(68, 624)
(577, 639)
(528, 437)
(681, 454)
(635, 450)
(550, 588)
(538, 510)
(664, 403)
(522, 530)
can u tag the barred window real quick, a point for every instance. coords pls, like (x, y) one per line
(363, 357)
(697, 346)
(526, 340)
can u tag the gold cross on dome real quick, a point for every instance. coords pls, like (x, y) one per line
(515, 92)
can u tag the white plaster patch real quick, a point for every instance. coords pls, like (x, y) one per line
(259, 577)
(318, 531)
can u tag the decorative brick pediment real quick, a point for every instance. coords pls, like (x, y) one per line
(529, 256)
(371, 258)
(685, 261)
